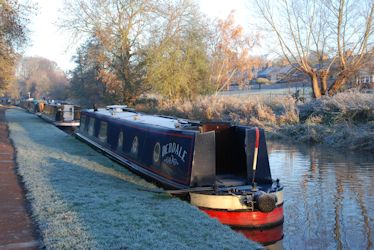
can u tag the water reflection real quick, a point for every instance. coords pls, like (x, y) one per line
(271, 238)
(328, 196)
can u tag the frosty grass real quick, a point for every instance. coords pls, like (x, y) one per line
(80, 199)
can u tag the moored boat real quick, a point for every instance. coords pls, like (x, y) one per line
(6, 100)
(32, 105)
(28, 104)
(224, 168)
(61, 114)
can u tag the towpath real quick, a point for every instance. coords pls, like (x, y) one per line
(82, 200)
(16, 228)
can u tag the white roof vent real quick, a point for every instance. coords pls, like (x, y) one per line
(117, 108)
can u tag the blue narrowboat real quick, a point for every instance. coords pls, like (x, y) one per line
(223, 167)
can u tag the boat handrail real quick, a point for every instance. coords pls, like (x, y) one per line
(120, 108)
(181, 120)
(168, 117)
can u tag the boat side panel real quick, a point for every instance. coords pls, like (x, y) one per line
(67, 112)
(49, 113)
(204, 163)
(230, 155)
(263, 173)
(168, 153)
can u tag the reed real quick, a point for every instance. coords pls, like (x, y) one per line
(345, 120)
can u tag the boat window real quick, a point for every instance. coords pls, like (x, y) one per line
(134, 147)
(76, 113)
(91, 126)
(103, 131)
(120, 141)
(83, 123)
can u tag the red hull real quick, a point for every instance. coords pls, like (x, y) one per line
(247, 219)
(264, 236)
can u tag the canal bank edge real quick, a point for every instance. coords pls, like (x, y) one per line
(82, 199)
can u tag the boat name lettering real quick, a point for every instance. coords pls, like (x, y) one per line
(174, 148)
(171, 161)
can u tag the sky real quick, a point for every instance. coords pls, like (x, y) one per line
(45, 38)
(47, 41)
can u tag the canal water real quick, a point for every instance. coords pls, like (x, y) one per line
(329, 196)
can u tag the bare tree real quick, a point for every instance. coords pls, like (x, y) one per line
(123, 28)
(118, 26)
(230, 57)
(322, 38)
(86, 86)
(42, 78)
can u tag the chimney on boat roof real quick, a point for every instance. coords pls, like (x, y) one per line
(94, 108)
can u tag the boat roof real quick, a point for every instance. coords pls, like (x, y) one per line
(128, 114)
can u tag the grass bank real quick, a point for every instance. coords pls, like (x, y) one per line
(82, 200)
(343, 121)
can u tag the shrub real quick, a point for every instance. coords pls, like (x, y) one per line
(337, 120)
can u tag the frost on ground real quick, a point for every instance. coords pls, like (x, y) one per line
(82, 200)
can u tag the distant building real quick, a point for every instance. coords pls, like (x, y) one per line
(365, 79)
(277, 74)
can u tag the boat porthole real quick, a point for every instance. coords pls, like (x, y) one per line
(156, 152)
(135, 144)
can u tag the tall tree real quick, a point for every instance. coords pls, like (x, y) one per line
(231, 61)
(120, 27)
(41, 78)
(177, 63)
(321, 38)
(86, 85)
(125, 30)
(13, 19)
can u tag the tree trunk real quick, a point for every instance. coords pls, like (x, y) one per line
(315, 86)
(339, 82)
(323, 80)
